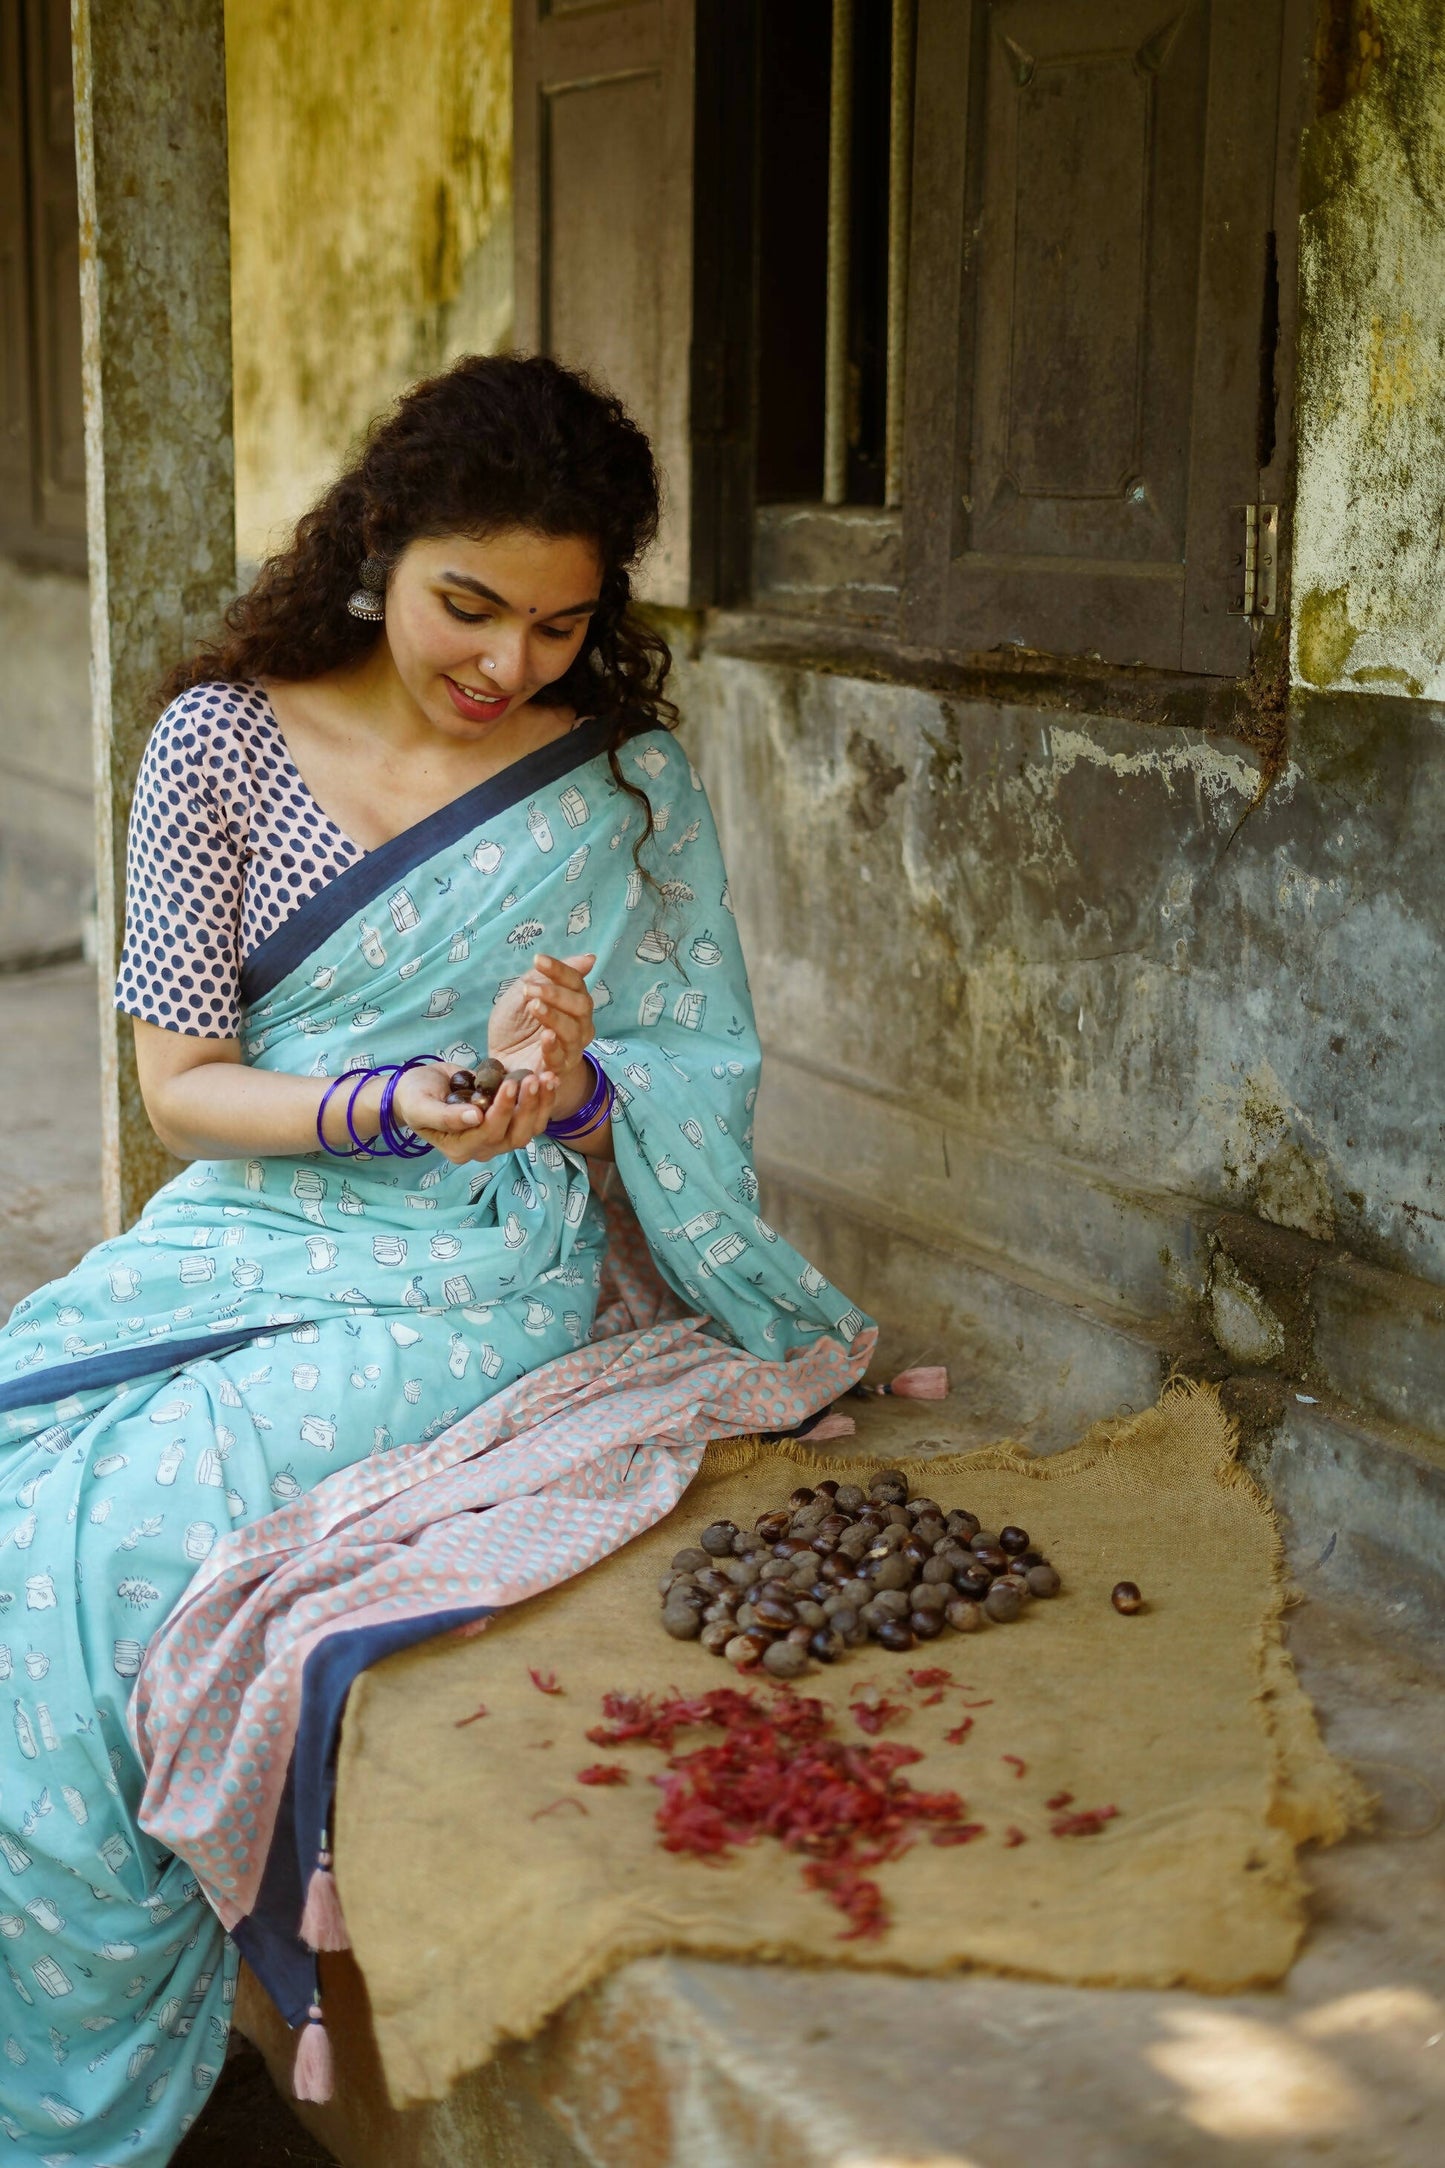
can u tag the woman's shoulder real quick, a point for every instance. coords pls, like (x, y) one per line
(207, 728)
(654, 753)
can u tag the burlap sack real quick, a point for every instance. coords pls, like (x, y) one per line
(473, 1920)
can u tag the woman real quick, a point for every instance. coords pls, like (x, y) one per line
(418, 805)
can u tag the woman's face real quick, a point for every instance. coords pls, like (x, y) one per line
(475, 629)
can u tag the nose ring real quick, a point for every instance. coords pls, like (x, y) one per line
(489, 666)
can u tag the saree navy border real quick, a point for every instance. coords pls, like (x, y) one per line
(315, 921)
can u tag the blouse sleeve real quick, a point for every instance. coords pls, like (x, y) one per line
(180, 965)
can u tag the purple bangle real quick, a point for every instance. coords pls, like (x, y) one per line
(364, 1149)
(338, 1151)
(401, 1143)
(588, 1117)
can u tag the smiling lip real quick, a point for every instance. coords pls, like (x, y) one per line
(475, 710)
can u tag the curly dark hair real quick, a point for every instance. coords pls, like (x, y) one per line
(498, 441)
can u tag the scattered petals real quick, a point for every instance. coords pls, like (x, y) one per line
(1016, 1762)
(935, 1675)
(1012, 1836)
(604, 1772)
(481, 1709)
(873, 1716)
(1059, 1801)
(958, 1833)
(544, 1681)
(960, 1732)
(986, 1703)
(1086, 1823)
(566, 1801)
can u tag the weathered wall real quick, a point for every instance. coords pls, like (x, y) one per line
(47, 876)
(370, 222)
(1370, 543)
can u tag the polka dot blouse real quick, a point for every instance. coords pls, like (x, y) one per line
(226, 842)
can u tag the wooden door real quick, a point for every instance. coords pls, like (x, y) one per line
(1091, 262)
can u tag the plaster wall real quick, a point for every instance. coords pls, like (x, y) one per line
(1369, 572)
(371, 232)
(47, 875)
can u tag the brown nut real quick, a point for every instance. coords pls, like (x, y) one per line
(848, 1498)
(723, 1607)
(973, 1580)
(682, 1622)
(746, 1649)
(800, 1498)
(890, 1603)
(1003, 1603)
(785, 1660)
(811, 1614)
(715, 1637)
(925, 1625)
(827, 1488)
(893, 1633)
(931, 1596)
(937, 1569)
(827, 1645)
(717, 1540)
(462, 1081)
(714, 1582)
(989, 1554)
(690, 1561)
(770, 1526)
(488, 1075)
(1043, 1581)
(1126, 1597)
(1013, 1540)
(918, 1507)
(964, 1617)
(961, 1523)
(894, 1572)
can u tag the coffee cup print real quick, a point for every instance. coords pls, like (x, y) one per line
(579, 918)
(127, 1658)
(637, 1073)
(25, 1732)
(411, 1391)
(11, 1925)
(372, 947)
(577, 861)
(364, 1017)
(669, 1174)
(444, 1248)
(123, 1282)
(168, 1467)
(284, 1486)
(540, 827)
(308, 1185)
(634, 889)
(389, 1249)
(37, 1663)
(461, 947)
(849, 1325)
(403, 1335)
(652, 761)
(46, 1913)
(404, 913)
(198, 1540)
(651, 1006)
(811, 1280)
(693, 1132)
(317, 1431)
(196, 1271)
(322, 1252)
(39, 1592)
(444, 999)
(487, 857)
(246, 1274)
(705, 951)
(305, 1377)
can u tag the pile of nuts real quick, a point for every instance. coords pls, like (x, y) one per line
(839, 1566)
(480, 1086)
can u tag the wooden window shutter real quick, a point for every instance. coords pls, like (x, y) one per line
(609, 272)
(1091, 266)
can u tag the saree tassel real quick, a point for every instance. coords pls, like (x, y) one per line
(323, 1923)
(314, 2077)
(928, 1381)
(833, 1425)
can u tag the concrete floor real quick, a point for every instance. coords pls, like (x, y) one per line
(742, 2067)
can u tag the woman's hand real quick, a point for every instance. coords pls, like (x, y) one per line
(519, 1112)
(544, 1019)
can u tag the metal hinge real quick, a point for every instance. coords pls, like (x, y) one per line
(1256, 573)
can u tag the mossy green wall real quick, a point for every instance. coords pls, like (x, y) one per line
(1369, 567)
(370, 222)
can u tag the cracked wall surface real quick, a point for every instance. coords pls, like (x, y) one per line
(1086, 936)
(1369, 566)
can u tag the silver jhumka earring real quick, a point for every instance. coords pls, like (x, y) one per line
(368, 601)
